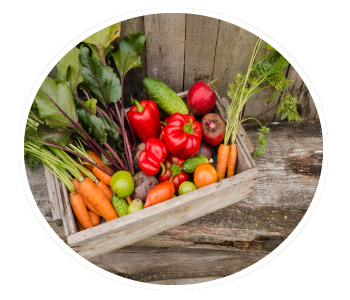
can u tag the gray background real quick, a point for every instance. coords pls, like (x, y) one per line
(314, 265)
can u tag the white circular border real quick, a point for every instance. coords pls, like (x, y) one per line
(226, 279)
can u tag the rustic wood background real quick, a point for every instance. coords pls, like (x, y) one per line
(180, 48)
(231, 239)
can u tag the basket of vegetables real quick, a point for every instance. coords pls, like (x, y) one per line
(118, 175)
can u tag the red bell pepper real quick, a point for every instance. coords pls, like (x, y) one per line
(163, 122)
(151, 159)
(182, 135)
(174, 171)
(144, 119)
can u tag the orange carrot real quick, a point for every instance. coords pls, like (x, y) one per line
(98, 199)
(80, 210)
(128, 199)
(223, 155)
(102, 176)
(95, 157)
(87, 203)
(232, 161)
(105, 189)
(80, 227)
(95, 219)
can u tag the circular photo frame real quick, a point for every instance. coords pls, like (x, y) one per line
(319, 161)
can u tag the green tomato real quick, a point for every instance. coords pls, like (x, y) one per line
(122, 184)
(186, 187)
(135, 205)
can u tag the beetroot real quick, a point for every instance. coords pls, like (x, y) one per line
(206, 150)
(201, 98)
(214, 128)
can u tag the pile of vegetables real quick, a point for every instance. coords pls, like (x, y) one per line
(79, 129)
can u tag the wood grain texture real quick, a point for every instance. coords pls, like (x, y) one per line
(165, 49)
(256, 104)
(56, 211)
(305, 105)
(156, 264)
(233, 51)
(278, 202)
(124, 231)
(133, 79)
(201, 36)
(39, 188)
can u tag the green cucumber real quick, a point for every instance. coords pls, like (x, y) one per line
(192, 163)
(164, 96)
(120, 205)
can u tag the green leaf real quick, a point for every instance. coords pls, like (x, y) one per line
(61, 74)
(127, 55)
(60, 94)
(262, 140)
(99, 79)
(96, 54)
(71, 63)
(288, 109)
(101, 40)
(113, 136)
(57, 136)
(91, 104)
(32, 161)
(91, 124)
(106, 161)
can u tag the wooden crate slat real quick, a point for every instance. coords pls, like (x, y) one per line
(55, 208)
(126, 230)
(69, 213)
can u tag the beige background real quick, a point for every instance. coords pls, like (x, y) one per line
(313, 265)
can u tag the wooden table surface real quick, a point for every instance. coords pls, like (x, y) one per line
(231, 239)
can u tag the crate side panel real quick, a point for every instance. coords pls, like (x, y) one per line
(114, 234)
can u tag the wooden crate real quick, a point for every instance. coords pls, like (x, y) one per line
(131, 228)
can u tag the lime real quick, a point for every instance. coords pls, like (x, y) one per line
(186, 187)
(122, 184)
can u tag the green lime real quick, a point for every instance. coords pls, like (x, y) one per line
(186, 187)
(122, 184)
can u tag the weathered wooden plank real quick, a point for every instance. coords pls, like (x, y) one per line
(56, 212)
(305, 105)
(201, 36)
(165, 48)
(233, 52)
(124, 231)
(282, 191)
(155, 264)
(133, 80)
(39, 189)
(256, 104)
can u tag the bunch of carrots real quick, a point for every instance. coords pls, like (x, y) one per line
(227, 153)
(90, 194)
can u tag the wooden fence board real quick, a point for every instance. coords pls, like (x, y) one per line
(256, 104)
(165, 49)
(201, 36)
(133, 80)
(305, 105)
(233, 51)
